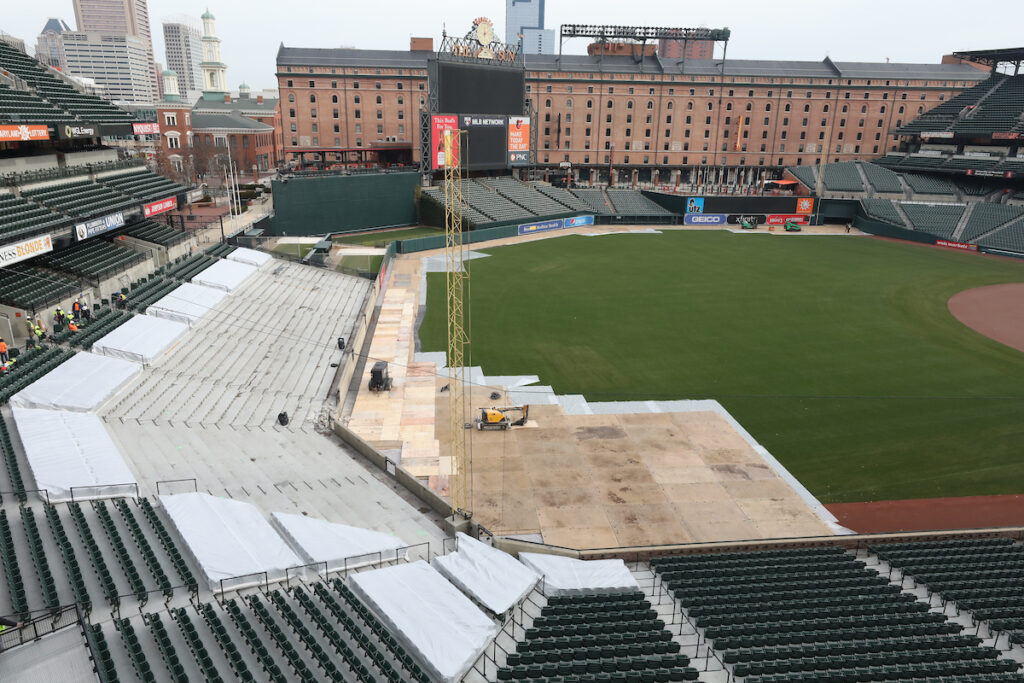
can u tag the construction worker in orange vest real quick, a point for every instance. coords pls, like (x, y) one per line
(76, 308)
(4, 356)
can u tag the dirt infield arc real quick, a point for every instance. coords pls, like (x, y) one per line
(996, 311)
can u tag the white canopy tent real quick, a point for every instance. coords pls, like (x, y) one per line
(250, 256)
(142, 339)
(82, 384)
(567, 576)
(229, 539)
(338, 545)
(495, 579)
(72, 451)
(226, 275)
(187, 304)
(439, 625)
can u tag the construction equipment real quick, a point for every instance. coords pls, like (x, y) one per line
(748, 225)
(501, 418)
(379, 376)
(792, 227)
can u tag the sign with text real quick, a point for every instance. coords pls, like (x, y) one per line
(439, 123)
(160, 206)
(19, 251)
(518, 140)
(146, 128)
(937, 134)
(1005, 136)
(783, 218)
(705, 219)
(73, 131)
(577, 221)
(956, 245)
(741, 218)
(543, 226)
(695, 205)
(989, 174)
(96, 226)
(804, 205)
(23, 133)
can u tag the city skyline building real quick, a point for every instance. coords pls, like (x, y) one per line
(183, 49)
(120, 17)
(50, 43)
(117, 62)
(524, 26)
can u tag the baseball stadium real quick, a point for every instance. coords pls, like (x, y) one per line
(458, 406)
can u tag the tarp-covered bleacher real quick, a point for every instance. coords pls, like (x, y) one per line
(339, 546)
(72, 451)
(82, 384)
(187, 303)
(142, 339)
(225, 275)
(495, 579)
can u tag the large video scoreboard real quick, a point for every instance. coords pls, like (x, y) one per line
(487, 101)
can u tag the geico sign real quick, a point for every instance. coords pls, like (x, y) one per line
(704, 218)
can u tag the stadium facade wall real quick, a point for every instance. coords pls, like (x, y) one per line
(339, 204)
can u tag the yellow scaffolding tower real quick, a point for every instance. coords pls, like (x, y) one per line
(460, 484)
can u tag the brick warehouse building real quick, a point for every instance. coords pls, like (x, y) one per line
(592, 110)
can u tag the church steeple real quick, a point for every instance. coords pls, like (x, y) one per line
(215, 82)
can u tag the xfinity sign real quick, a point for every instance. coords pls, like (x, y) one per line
(704, 219)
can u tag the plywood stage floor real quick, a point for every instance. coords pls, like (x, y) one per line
(604, 481)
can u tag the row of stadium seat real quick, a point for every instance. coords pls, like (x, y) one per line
(19, 106)
(80, 198)
(156, 233)
(142, 184)
(963, 572)
(1000, 112)
(943, 116)
(94, 259)
(953, 163)
(22, 286)
(143, 570)
(20, 218)
(57, 92)
(818, 615)
(614, 635)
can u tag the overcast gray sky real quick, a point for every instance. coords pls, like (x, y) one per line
(863, 30)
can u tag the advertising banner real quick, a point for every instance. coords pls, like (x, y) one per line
(160, 206)
(577, 221)
(956, 245)
(544, 226)
(781, 218)
(741, 218)
(695, 205)
(73, 131)
(146, 128)
(937, 134)
(19, 251)
(518, 140)
(989, 174)
(96, 226)
(23, 133)
(1005, 136)
(804, 205)
(439, 123)
(705, 219)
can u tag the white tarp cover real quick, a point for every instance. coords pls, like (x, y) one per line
(317, 540)
(229, 538)
(496, 579)
(439, 625)
(565, 575)
(71, 449)
(187, 304)
(142, 339)
(82, 384)
(226, 275)
(250, 256)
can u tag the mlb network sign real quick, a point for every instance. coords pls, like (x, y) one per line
(705, 219)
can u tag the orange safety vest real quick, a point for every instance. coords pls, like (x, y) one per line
(3, 347)
(72, 327)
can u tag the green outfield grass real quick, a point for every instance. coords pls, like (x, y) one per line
(382, 237)
(293, 249)
(838, 354)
